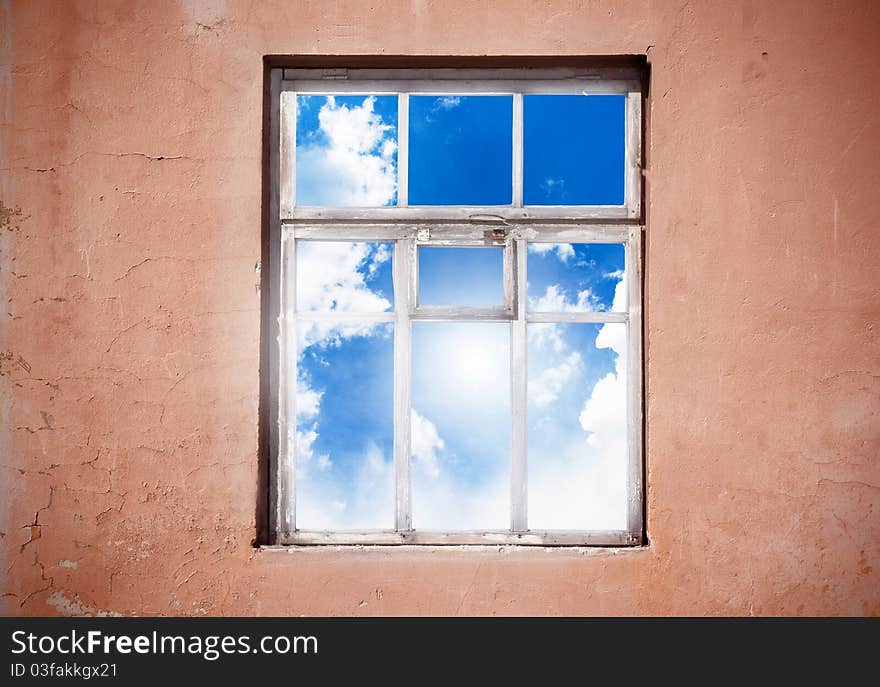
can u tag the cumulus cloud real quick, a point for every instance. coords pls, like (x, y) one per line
(442, 497)
(546, 335)
(307, 401)
(604, 413)
(425, 442)
(324, 503)
(563, 251)
(334, 276)
(330, 276)
(577, 476)
(381, 255)
(545, 388)
(583, 485)
(555, 299)
(350, 160)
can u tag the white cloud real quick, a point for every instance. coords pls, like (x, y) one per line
(425, 443)
(305, 438)
(577, 479)
(333, 276)
(325, 503)
(447, 102)
(604, 413)
(546, 387)
(353, 163)
(381, 255)
(330, 275)
(583, 486)
(563, 251)
(546, 335)
(307, 401)
(555, 299)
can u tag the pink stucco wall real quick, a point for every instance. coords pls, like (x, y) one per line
(130, 182)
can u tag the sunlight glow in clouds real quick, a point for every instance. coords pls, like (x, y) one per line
(577, 419)
(460, 417)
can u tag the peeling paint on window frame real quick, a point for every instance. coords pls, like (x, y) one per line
(511, 227)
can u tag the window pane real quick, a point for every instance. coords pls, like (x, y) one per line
(344, 426)
(460, 150)
(576, 277)
(577, 433)
(573, 149)
(460, 426)
(346, 150)
(344, 276)
(469, 277)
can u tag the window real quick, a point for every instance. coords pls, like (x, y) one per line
(456, 274)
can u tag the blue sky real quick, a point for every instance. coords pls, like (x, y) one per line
(460, 378)
(573, 149)
(460, 150)
(446, 276)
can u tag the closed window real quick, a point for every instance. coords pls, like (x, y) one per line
(456, 265)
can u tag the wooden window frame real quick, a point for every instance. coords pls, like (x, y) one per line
(511, 227)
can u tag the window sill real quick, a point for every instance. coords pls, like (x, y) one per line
(419, 538)
(418, 550)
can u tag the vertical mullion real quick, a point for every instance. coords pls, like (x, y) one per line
(634, 384)
(402, 269)
(402, 150)
(272, 270)
(286, 475)
(517, 150)
(518, 381)
(288, 153)
(509, 274)
(633, 155)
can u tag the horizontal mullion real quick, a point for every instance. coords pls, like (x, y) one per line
(463, 538)
(473, 232)
(344, 316)
(457, 212)
(447, 314)
(587, 317)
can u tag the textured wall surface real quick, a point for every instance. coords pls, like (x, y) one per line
(130, 183)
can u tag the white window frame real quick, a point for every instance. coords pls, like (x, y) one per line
(511, 227)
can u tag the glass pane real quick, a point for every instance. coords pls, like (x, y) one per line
(468, 277)
(344, 276)
(344, 426)
(577, 435)
(460, 150)
(346, 150)
(460, 426)
(576, 277)
(573, 149)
